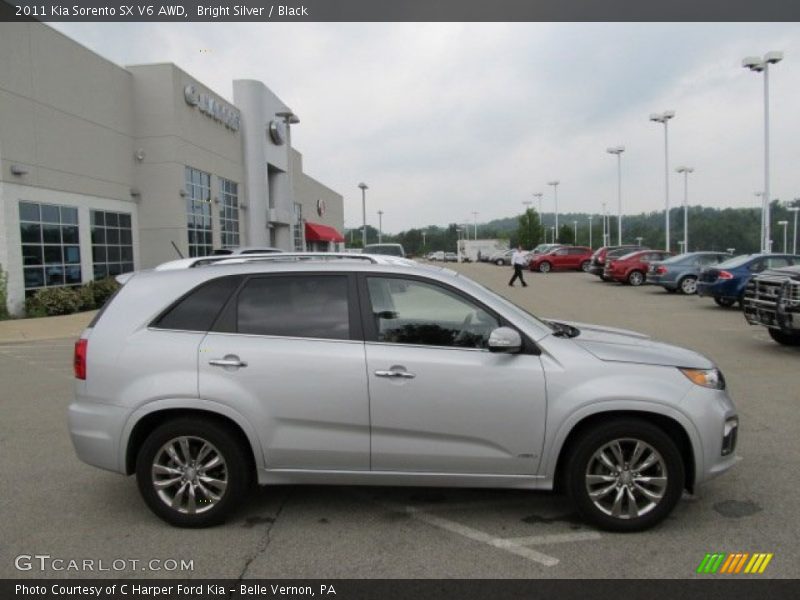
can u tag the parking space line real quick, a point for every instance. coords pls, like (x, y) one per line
(480, 536)
(555, 538)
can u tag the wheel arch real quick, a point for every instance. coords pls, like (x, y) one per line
(671, 426)
(143, 421)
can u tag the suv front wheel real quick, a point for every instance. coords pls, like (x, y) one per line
(192, 472)
(625, 475)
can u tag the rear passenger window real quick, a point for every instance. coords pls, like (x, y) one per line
(295, 306)
(197, 310)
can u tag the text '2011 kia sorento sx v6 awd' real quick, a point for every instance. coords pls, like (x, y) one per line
(370, 372)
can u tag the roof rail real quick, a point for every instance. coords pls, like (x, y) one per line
(289, 257)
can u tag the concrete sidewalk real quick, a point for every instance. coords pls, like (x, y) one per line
(45, 328)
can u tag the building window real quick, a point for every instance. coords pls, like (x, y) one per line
(51, 252)
(198, 212)
(298, 227)
(112, 243)
(229, 213)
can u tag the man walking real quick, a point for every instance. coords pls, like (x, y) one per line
(518, 262)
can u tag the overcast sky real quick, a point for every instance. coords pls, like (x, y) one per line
(444, 119)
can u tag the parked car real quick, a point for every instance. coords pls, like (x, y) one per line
(772, 299)
(438, 255)
(604, 253)
(450, 257)
(679, 273)
(632, 268)
(726, 282)
(502, 258)
(576, 258)
(202, 380)
(387, 249)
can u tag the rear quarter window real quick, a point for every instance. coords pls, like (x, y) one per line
(197, 310)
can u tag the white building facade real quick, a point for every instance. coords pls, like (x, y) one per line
(105, 169)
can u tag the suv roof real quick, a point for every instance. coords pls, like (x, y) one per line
(204, 261)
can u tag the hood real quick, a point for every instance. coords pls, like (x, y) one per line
(622, 345)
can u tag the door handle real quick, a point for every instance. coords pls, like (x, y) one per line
(228, 361)
(397, 374)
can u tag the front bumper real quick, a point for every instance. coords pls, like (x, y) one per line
(96, 431)
(715, 418)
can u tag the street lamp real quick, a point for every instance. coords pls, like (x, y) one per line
(380, 226)
(527, 205)
(757, 65)
(639, 241)
(685, 171)
(605, 226)
(575, 225)
(475, 218)
(555, 196)
(538, 196)
(424, 235)
(289, 119)
(590, 233)
(553, 229)
(795, 210)
(364, 187)
(784, 223)
(618, 150)
(664, 118)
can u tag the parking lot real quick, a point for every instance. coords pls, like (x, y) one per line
(54, 505)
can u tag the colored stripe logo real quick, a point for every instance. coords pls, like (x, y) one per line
(734, 563)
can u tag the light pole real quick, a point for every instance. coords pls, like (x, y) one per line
(538, 196)
(553, 229)
(380, 226)
(605, 232)
(664, 118)
(364, 187)
(785, 224)
(475, 220)
(685, 171)
(555, 197)
(795, 210)
(289, 119)
(618, 150)
(575, 225)
(527, 205)
(590, 233)
(760, 196)
(639, 241)
(424, 235)
(757, 65)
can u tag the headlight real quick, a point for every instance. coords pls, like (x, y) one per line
(710, 378)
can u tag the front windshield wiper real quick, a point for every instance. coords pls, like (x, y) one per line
(564, 330)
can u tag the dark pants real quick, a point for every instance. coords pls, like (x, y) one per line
(517, 275)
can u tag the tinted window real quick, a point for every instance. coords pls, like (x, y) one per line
(736, 261)
(413, 312)
(197, 310)
(310, 306)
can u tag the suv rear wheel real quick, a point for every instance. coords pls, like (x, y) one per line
(585, 265)
(625, 475)
(192, 472)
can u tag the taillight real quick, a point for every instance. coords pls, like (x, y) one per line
(724, 275)
(661, 270)
(79, 359)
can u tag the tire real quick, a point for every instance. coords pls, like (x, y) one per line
(499, 262)
(164, 447)
(586, 265)
(688, 285)
(545, 267)
(635, 278)
(724, 302)
(612, 509)
(783, 338)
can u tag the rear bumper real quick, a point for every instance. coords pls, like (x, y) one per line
(96, 431)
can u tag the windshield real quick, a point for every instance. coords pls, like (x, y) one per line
(736, 261)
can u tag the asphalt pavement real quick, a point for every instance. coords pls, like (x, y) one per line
(54, 505)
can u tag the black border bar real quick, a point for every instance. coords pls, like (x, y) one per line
(400, 10)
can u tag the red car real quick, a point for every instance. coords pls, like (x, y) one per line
(577, 258)
(632, 268)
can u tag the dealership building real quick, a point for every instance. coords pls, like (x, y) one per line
(105, 169)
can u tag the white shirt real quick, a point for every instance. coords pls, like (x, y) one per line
(519, 258)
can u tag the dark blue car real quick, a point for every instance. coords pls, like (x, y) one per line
(726, 281)
(680, 273)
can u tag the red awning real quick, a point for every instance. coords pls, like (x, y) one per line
(322, 233)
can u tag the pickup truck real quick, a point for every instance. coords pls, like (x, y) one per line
(772, 299)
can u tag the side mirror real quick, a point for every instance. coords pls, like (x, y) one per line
(505, 339)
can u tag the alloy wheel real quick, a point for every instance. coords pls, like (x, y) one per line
(689, 285)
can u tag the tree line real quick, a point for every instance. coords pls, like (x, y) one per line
(709, 229)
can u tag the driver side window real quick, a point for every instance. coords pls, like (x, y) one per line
(413, 312)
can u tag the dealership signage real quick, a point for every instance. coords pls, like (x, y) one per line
(213, 107)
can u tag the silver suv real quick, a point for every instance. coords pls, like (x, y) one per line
(376, 372)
